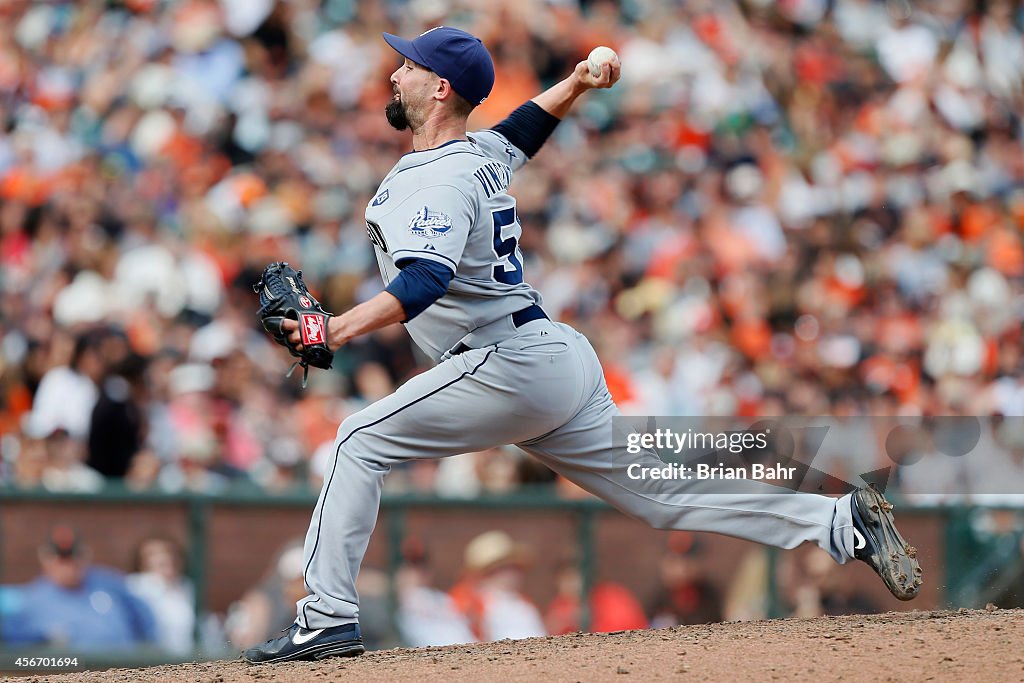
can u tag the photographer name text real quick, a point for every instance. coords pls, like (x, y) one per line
(706, 472)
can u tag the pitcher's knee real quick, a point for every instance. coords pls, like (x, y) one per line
(355, 441)
(347, 428)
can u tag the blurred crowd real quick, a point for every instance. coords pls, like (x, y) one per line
(791, 207)
(81, 606)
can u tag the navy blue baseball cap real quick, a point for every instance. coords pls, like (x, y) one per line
(453, 54)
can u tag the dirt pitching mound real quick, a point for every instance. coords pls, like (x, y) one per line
(898, 646)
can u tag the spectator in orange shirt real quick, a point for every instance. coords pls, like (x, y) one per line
(612, 606)
(490, 593)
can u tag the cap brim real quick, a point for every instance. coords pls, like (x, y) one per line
(405, 48)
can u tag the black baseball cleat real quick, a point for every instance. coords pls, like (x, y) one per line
(877, 542)
(299, 644)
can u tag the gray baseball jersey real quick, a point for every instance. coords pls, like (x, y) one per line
(451, 205)
(539, 385)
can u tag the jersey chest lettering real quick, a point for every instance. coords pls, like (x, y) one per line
(494, 177)
(376, 235)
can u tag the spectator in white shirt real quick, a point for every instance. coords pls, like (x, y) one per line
(68, 393)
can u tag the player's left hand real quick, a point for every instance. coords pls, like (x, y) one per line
(610, 73)
(291, 328)
(293, 317)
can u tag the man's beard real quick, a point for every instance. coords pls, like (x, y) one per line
(396, 115)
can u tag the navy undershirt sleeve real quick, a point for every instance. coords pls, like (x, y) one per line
(421, 283)
(528, 127)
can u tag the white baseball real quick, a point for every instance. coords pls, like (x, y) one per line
(600, 56)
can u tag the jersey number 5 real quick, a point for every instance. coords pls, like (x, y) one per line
(508, 269)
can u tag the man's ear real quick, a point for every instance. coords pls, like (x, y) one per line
(443, 90)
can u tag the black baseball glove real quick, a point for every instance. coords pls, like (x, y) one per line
(283, 295)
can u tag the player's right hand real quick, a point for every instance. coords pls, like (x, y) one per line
(609, 75)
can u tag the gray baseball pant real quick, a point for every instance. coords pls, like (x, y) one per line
(543, 389)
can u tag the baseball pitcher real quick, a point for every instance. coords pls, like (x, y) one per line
(446, 235)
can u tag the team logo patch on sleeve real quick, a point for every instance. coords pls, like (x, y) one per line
(380, 199)
(510, 152)
(430, 224)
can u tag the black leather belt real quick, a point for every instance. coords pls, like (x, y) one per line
(519, 318)
(528, 315)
